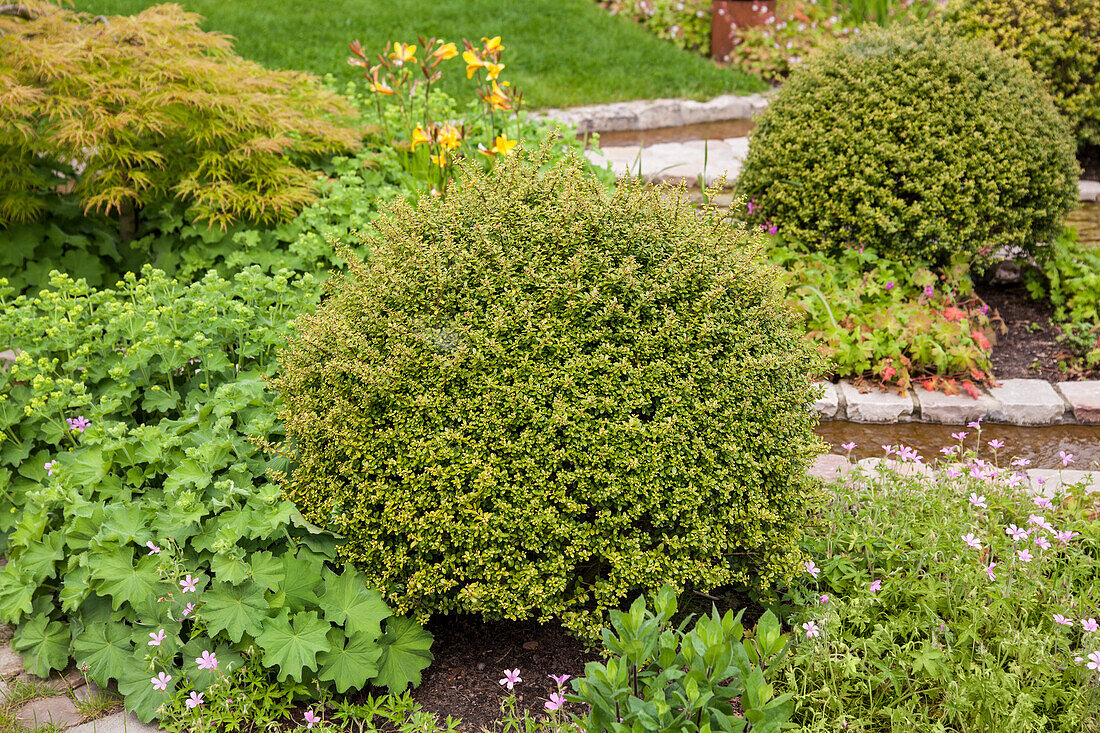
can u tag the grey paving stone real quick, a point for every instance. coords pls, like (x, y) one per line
(117, 723)
(1049, 481)
(1027, 402)
(59, 710)
(957, 409)
(11, 663)
(829, 404)
(1089, 190)
(1084, 399)
(657, 113)
(873, 465)
(830, 466)
(876, 406)
(676, 163)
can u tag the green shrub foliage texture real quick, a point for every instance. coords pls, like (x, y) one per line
(916, 144)
(538, 396)
(1060, 39)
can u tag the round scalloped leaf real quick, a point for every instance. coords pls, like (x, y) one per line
(141, 697)
(293, 643)
(405, 654)
(236, 610)
(348, 601)
(106, 649)
(351, 665)
(44, 645)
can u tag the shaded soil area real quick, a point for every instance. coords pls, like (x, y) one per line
(1089, 158)
(1029, 348)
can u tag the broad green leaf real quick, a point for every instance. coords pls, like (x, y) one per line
(228, 660)
(106, 649)
(74, 589)
(142, 634)
(127, 523)
(229, 569)
(87, 467)
(267, 570)
(351, 665)
(16, 594)
(301, 577)
(236, 610)
(44, 645)
(126, 581)
(160, 400)
(405, 654)
(140, 696)
(348, 601)
(293, 642)
(188, 472)
(40, 559)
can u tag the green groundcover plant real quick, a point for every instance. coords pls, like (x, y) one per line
(142, 535)
(538, 397)
(953, 596)
(919, 146)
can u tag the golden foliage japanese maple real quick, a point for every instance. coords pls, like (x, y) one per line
(135, 110)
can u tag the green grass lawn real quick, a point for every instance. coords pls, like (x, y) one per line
(559, 52)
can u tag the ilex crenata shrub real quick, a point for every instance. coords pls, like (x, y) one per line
(538, 397)
(129, 111)
(919, 146)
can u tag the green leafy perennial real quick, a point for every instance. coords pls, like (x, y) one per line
(538, 397)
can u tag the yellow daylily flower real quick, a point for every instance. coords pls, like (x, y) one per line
(377, 86)
(503, 146)
(403, 52)
(493, 69)
(419, 137)
(473, 63)
(446, 51)
(498, 99)
(449, 137)
(440, 160)
(492, 44)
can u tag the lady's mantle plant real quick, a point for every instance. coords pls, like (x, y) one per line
(537, 397)
(143, 537)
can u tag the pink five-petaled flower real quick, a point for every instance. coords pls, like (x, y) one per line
(812, 629)
(207, 661)
(188, 584)
(996, 444)
(1042, 542)
(1016, 533)
(1021, 462)
(769, 228)
(160, 682)
(952, 473)
(1024, 555)
(848, 446)
(1094, 661)
(888, 448)
(153, 549)
(978, 501)
(157, 638)
(511, 678)
(78, 424)
(824, 599)
(875, 586)
(195, 700)
(1064, 620)
(1065, 537)
(1042, 502)
(890, 285)
(751, 205)
(971, 540)
(1067, 458)
(1041, 522)
(311, 718)
(977, 424)
(49, 467)
(959, 436)
(555, 702)
(989, 570)
(812, 569)
(559, 679)
(928, 291)
(190, 607)
(1089, 624)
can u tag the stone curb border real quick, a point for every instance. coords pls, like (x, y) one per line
(1030, 402)
(1046, 481)
(650, 114)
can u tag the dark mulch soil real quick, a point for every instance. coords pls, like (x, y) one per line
(1029, 349)
(471, 656)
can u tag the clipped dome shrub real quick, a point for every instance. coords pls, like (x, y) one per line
(918, 145)
(1059, 39)
(538, 397)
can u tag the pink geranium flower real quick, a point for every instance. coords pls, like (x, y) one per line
(559, 679)
(1064, 620)
(1024, 555)
(157, 638)
(188, 609)
(153, 549)
(812, 629)
(1067, 458)
(978, 501)
(812, 569)
(1016, 533)
(555, 702)
(160, 682)
(188, 584)
(194, 700)
(207, 661)
(1094, 661)
(989, 570)
(848, 446)
(875, 586)
(996, 444)
(1089, 624)
(972, 541)
(1042, 502)
(311, 718)
(511, 678)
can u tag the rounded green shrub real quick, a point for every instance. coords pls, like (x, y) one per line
(918, 145)
(1059, 39)
(538, 397)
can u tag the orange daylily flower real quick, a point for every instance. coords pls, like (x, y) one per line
(419, 137)
(493, 69)
(403, 52)
(377, 86)
(498, 99)
(492, 44)
(446, 51)
(473, 63)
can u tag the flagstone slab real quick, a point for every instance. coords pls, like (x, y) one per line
(1027, 402)
(876, 405)
(117, 723)
(830, 466)
(956, 409)
(59, 710)
(829, 404)
(650, 114)
(1089, 190)
(1049, 481)
(1084, 400)
(11, 664)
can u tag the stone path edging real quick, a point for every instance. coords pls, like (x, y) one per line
(1028, 402)
(651, 114)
